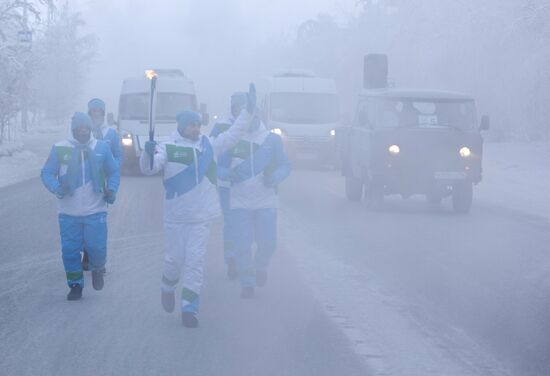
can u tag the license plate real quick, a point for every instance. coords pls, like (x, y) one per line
(308, 156)
(448, 175)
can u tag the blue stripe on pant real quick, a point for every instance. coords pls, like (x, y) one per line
(249, 226)
(78, 233)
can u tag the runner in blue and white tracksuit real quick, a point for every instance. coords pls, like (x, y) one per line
(84, 176)
(238, 103)
(101, 131)
(258, 164)
(191, 202)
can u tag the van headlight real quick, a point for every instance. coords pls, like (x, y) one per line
(465, 152)
(394, 149)
(333, 132)
(127, 140)
(277, 131)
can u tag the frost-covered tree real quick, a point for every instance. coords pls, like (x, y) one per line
(12, 58)
(47, 78)
(63, 60)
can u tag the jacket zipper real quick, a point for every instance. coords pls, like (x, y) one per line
(196, 166)
(83, 168)
(252, 159)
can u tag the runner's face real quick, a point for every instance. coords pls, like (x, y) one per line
(97, 115)
(82, 134)
(192, 131)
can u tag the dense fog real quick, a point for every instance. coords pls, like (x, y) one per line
(387, 159)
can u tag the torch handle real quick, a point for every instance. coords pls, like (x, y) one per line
(152, 138)
(151, 128)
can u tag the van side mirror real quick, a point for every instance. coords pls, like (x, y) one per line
(485, 123)
(204, 114)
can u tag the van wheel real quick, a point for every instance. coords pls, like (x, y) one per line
(463, 193)
(354, 188)
(375, 193)
(434, 198)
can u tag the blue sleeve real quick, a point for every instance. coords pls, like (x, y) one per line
(112, 171)
(280, 168)
(116, 147)
(50, 172)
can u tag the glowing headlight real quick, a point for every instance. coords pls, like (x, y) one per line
(127, 142)
(394, 149)
(333, 132)
(277, 131)
(465, 152)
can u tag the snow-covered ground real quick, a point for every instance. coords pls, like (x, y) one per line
(381, 328)
(517, 176)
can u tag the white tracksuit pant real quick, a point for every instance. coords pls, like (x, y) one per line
(185, 251)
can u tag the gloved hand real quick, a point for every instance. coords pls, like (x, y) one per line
(60, 192)
(251, 99)
(109, 196)
(150, 147)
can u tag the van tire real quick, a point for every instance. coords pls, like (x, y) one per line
(354, 187)
(463, 193)
(375, 193)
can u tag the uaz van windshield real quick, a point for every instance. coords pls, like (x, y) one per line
(420, 113)
(136, 106)
(304, 108)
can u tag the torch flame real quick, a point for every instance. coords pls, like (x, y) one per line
(150, 73)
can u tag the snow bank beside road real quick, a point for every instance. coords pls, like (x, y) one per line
(24, 158)
(516, 176)
(7, 149)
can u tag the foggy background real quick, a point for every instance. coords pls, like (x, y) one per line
(221, 45)
(427, 287)
(495, 51)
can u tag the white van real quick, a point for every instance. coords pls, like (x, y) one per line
(174, 92)
(305, 111)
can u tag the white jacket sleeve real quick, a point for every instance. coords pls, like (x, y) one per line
(158, 161)
(226, 140)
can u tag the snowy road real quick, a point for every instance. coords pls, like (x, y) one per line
(406, 290)
(428, 291)
(122, 330)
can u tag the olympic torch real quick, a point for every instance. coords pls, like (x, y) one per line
(152, 76)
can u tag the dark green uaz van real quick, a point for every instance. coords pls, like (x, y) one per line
(409, 142)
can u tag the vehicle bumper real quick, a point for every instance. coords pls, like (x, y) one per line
(425, 181)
